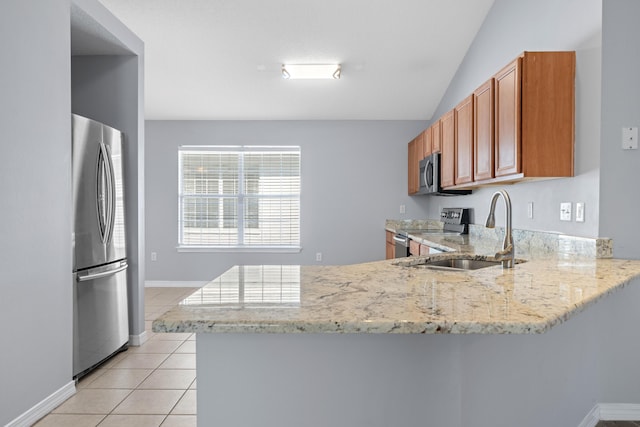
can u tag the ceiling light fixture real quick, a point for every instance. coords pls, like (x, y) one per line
(311, 71)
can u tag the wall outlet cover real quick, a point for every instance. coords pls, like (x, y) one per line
(580, 212)
(629, 138)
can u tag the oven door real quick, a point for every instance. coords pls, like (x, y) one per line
(402, 245)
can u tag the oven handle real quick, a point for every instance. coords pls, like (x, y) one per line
(403, 240)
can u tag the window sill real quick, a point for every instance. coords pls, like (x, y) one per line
(241, 249)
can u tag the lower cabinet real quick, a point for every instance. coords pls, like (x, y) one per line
(391, 246)
(414, 248)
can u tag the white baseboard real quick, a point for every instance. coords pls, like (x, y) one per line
(592, 418)
(611, 412)
(138, 340)
(47, 405)
(174, 284)
(619, 411)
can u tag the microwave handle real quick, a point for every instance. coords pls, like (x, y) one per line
(424, 173)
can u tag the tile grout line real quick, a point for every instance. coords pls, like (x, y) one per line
(112, 366)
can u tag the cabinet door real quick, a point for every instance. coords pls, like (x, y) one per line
(548, 114)
(483, 131)
(412, 167)
(424, 249)
(447, 148)
(414, 248)
(390, 251)
(435, 137)
(464, 141)
(419, 147)
(508, 146)
(426, 142)
(390, 245)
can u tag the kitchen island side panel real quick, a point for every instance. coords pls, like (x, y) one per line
(405, 380)
(319, 380)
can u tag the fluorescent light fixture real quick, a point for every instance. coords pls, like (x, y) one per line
(311, 71)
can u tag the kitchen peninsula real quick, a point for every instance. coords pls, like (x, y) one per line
(390, 344)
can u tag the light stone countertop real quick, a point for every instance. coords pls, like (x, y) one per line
(391, 297)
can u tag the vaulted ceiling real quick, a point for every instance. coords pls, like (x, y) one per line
(221, 59)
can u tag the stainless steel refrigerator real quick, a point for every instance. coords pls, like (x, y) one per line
(100, 310)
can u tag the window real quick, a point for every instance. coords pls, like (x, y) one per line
(239, 197)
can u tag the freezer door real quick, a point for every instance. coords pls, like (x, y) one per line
(99, 236)
(100, 322)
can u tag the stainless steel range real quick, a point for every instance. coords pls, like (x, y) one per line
(456, 221)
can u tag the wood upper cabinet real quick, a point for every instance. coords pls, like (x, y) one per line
(519, 125)
(535, 116)
(427, 141)
(508, 149)
(447, 149)
(464, 141)
(418, 149)
(412, 167)
(483, 131)
(435, 137)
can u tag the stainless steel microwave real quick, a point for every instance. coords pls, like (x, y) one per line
(429, 171)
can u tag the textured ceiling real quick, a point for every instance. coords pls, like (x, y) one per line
(221, 59)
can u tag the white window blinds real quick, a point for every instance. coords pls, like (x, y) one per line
(239, 197)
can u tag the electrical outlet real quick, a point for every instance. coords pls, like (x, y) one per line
(319, 256)
(629, 138)
(154, 256)
(580, 212)
(565, 211)
(530, 210)
(403, 209)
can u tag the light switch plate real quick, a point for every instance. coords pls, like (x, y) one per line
(580, 212)
(629, 138)
(565, 211)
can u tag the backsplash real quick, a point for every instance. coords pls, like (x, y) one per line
(540, 242)
(532, 242)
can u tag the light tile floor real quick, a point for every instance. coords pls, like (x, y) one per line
(153, 385)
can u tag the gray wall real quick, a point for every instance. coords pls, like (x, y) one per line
(35, 188)
(510, 28)
(353, 178)
(343, 199)
(619, 195)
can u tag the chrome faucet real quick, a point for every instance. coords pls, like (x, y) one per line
(506, 255)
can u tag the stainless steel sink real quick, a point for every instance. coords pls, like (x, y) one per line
(459, 264)
(453, 262)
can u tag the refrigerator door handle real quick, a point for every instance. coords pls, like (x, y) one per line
(111, 192)
(102, 274)
(102, 200)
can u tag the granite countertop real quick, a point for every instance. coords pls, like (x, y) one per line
(391, 296)
(381, 297)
